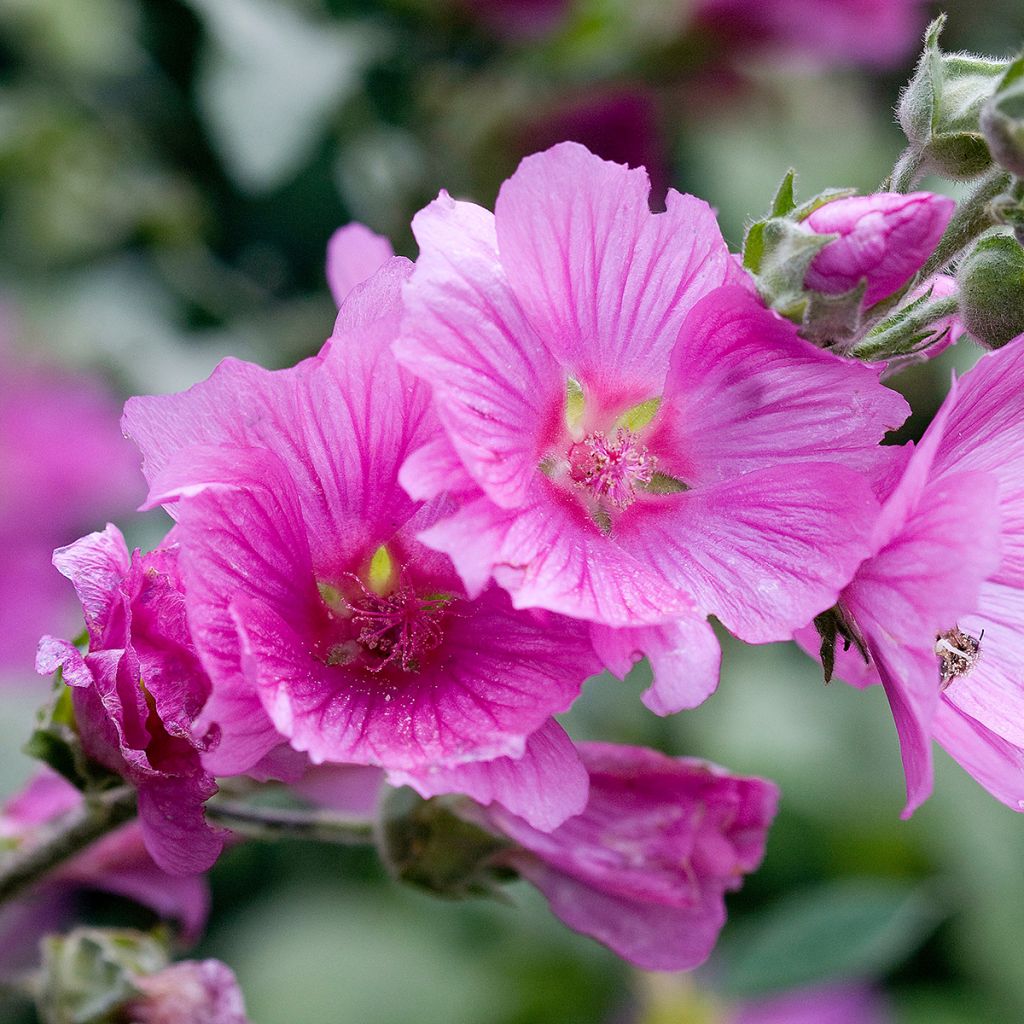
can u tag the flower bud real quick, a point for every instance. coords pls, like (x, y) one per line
(426, 844)
(940, 108)
(884, 239)
(1002, 121)
(991, 281)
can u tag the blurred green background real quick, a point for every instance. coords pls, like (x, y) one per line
(170, 172)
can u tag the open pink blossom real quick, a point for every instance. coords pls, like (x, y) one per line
(190, 992)
(645, 867)
(139, 689)
(63, 465)
(634, 440)
(118, 863)
(940, 603)
(321, 619)
(884, 239)
(354, 255)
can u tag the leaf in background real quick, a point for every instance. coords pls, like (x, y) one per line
(853, 929)
(269, 82)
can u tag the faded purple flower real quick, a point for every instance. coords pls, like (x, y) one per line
(139, 689)
(645, 867)
(884, 239)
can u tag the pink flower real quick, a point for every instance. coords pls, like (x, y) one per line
(190, 992)
(645, 867)
(63, 464)
(138, 691)
(873, 32)
(841, 1004)
(118, 863)
(321, 619)
(884, 239)
(631, 443)
(941, 601)
(354, 255)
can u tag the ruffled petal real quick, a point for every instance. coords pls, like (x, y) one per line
(354, 254)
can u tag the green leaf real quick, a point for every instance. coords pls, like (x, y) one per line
(853, 929)
(785, 199)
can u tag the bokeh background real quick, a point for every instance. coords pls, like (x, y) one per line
(170, 172)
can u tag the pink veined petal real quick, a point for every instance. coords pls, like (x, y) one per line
(744, 391)
(996, 764)
(551, 556)
(174, 825)
(435, 469)
(544, 787)
(354, 254)
(765, 552)
(931, 573)
(96, 564)
(910, 678)
(241, 531)
(992, 692)
(684, 654)
(653, 936)
(319, 418)
(604, 281)
(497, 388)
(497, 677)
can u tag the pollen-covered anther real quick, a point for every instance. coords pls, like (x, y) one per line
(958, 653)
(399, 628)
(611, 469)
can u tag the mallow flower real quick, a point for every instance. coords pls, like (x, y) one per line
(884, 239)
(633, 438)
(138, 691)
(645, 867)
(322, 621)
(937, 609)
(194, 991)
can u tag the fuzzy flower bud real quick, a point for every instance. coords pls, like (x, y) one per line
(884, 239)
(991, 281)
(1002, 120)
(939, 110)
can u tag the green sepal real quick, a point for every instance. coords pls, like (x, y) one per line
(834, 625)
(664, 483)
(785, 197)
(427, 844)
(88, 975)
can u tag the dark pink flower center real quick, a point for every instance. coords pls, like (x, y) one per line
(611, 469)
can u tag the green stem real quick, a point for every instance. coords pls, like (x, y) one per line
(973, 216)
(906, 172)
(73, 832)
(259, 822)
(902, 335)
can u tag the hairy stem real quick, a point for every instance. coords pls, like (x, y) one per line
(973, 216)
(905, 332)
(906, 172)
(70, 834)
(259, 822)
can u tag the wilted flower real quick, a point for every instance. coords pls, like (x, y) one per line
(139, 689)
(190, 992)
(645, 867)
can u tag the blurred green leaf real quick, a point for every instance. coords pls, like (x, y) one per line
(857, 928)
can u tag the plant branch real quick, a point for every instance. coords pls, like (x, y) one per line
(260, 822)
(70, 834)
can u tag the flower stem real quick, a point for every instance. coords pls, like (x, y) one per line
(904, 332)
(973, 216)
(259, 822)
(70, 834)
